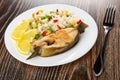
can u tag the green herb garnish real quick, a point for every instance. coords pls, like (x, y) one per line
(37, 36)
(43, 17)
(71, 25)
(51, 12)
(50, 29)
(30, 24)
(46, 17)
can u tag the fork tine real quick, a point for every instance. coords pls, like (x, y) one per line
(110, 14)
(113, 15)
(107, 14)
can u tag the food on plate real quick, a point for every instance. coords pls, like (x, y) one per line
(47, 33)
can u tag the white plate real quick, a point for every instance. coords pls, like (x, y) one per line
(87, 39)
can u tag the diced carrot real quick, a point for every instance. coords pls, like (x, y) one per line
(36, 20)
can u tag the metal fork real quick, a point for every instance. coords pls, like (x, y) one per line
(107, 25)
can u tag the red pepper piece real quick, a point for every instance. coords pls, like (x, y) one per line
(44, 33)
(37, 13)
(57, 10)
(79, 21)
(58, 27)
(56, 20)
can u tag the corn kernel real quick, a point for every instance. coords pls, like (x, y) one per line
(49, 32)
(41, 11)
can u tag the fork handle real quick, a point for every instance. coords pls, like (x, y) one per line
(99, 64)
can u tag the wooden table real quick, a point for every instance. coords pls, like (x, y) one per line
(81, 69)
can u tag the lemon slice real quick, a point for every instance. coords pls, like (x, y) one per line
(23, 47)
(30, 34)
(18, 32)
(23, 36)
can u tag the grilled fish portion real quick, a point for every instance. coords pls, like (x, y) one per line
(57, 42)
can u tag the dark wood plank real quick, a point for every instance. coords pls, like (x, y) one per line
(81, 69)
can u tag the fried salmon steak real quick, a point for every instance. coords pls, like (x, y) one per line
(56, 42)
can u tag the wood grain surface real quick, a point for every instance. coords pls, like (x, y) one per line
(81, 69)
